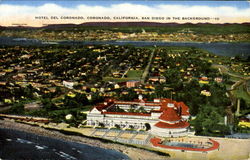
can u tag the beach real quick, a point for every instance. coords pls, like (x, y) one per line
(230, 149)
(131, 152)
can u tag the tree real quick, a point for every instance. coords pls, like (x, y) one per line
(17, 108)
(48, 105)
(81, 99)
(218, 95)
(96, 98)
(28, 91)
(70, 102)
(132, 108)
(192, 85)
(172, 75)
(207, 122)
(243, 104)
(58, 90)
(141, 110)
(130, 96)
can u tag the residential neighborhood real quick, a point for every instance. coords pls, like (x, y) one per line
(168, 33)
(143, 95)
(124, 80)
(71, 79)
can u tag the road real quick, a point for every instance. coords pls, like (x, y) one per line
(242, 80)
(146, 71)
(224, 70)
(112, 65)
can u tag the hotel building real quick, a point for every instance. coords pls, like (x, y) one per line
(162, 117)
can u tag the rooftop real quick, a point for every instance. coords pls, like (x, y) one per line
(181, 124)
(170, 115)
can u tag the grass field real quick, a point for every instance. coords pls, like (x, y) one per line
(134, 74)
(119, 79)
(82, 109)
(241, 93)
(131, 75)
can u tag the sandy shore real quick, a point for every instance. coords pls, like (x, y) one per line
(230, 149)
(133, 153)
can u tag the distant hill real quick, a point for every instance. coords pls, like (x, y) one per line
(123, 24)
(2, 27)
(137, 27)
(137, 24)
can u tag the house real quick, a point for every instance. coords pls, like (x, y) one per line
(203, 80)
(72, 95)
(32, 106)
(205, 93)
(117, 74)
(160, 79)
(218, 79)
(244, 121)
(132, 83)
(26, 56)
(149, 86)
(116, 86)
(69, 84)
(2, 73)
(2, 83)
(7, 101)
(154, 79)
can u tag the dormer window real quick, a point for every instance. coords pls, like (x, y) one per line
(170, 105)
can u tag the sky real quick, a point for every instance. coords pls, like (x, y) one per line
(38, 13)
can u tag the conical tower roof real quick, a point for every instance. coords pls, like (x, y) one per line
(170, 114)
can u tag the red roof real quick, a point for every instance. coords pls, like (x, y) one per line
(100, 107)
(157, 111)
(181, 124)
(151, 104)
(128, 113)
(184, 109)
(157, 142)
(170, 115)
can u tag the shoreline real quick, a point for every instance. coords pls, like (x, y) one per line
(230, 149)
(132, 152)
(48, 41)
(58, 41)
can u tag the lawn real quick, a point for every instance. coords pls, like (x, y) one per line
(241, 93)
(131, 75)
(134, 74)
(119, 79)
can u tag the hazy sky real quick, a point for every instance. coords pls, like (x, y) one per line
(18, 12)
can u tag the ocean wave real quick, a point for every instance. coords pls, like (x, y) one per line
(9, 140)
(23, 141)
(41, 147)
(65, 155)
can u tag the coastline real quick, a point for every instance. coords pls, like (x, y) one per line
(228, 49)
(131, 152)
(230, 149)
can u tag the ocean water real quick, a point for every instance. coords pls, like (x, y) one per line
(218, 48)
(18, 145)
